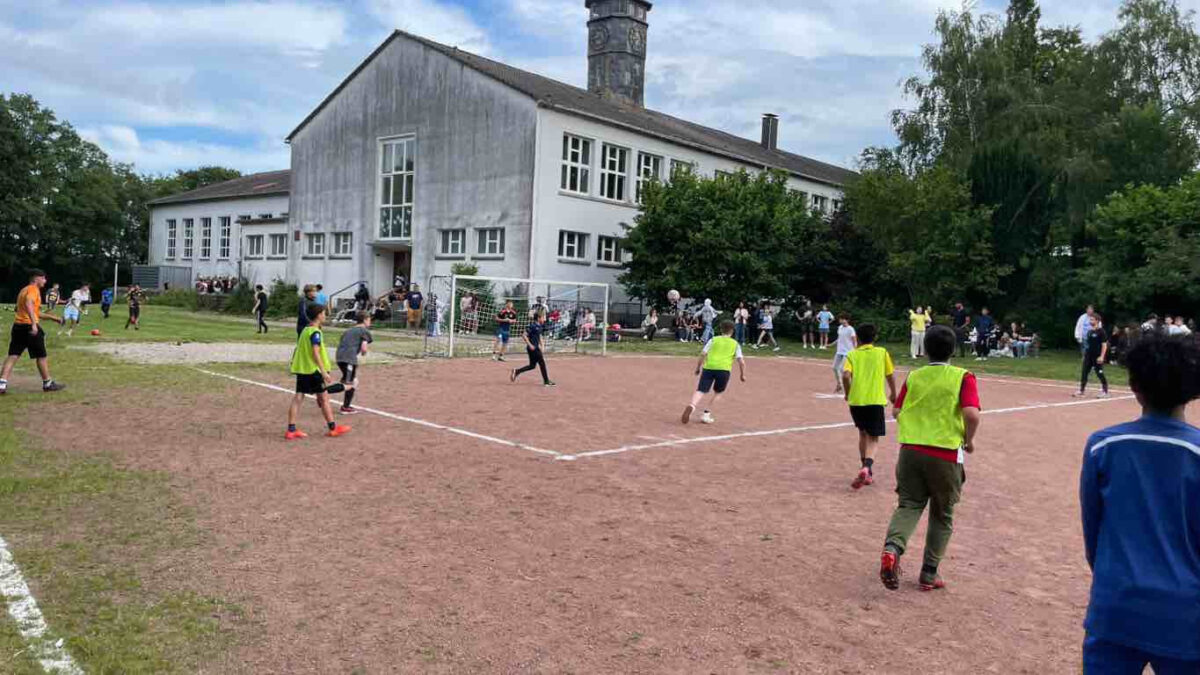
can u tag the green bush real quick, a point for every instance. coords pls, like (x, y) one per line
(284, 298)
(185, 298)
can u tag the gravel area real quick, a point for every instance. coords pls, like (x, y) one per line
(219, 352)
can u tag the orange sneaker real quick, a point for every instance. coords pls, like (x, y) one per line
(295, 435)
(339, 430)
(889, 570)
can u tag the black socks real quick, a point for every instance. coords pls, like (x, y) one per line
(869, 464)
(332, 425)
(928, 571)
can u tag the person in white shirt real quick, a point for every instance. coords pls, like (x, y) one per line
(1082, 325)
(766, 327)
(847, 341)
(75, 304)
(1181, 326)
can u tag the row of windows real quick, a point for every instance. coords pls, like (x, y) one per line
(224, 240)
(574, 246)
(314, 245)
(489, 242)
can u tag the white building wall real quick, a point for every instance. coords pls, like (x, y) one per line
(555, 209)
(263, 270)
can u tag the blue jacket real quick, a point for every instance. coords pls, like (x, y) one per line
(1140, 497)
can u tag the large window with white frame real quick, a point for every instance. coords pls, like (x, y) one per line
(172, 232)
(397, 181)
(278, 245)
(679, 166)
(608, 250)
(649, 168)
(576, 164)
(189, 231)
(205, 238)
(820, 203)
(614, 172)
(226, 225)
(254, 246)
(491, 242)
(453, 242)
(314, 245)
(572, 245)
(343, 244)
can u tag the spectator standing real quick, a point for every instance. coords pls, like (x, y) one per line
(808, 325)
(1095, 351)
(918, 323)
(106, 301)
(1141, 521)
(414, 300)
(322, 299)
(52, 298)
(961, 320)
(1082, 325)
(707, 314)
(260, 309)
(983, 334)
(824, 318)
(741, 316)
(1151, 324)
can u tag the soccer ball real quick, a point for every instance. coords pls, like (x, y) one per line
(673, 296)
(95, 332)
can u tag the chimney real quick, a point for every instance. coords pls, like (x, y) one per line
(617, 49)
(770, 131)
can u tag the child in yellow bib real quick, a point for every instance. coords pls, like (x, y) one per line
(938, 415)
(714, 368)
(866, 369)
(310, 365)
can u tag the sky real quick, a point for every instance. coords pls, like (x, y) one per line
(175, 84)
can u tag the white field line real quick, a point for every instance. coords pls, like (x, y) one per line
(814, 427)
(402, 418)
(30, 622)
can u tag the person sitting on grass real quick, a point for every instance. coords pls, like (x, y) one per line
(1141, 521)
(938, 415)
(310, 365)
(714, 368)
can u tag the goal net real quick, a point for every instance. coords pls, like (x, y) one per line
(462, 315)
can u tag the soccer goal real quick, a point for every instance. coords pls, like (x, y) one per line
(461, 314)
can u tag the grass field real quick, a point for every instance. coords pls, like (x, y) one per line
(109, 544)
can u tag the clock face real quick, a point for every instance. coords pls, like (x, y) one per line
(637, 39)
(598, 38)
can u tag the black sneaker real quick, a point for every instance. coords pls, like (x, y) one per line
(512, 377)
(53, 386)
(549, 384)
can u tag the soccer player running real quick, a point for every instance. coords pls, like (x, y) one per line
(867, 368)
(134, 298)
(310, 365)
(1141, 521)
(714, 368)
(533, 347)
(1095, 351)
(847, 341)
(71, 313)
(352, 346)
(27, 334)
(505, 318)
(106, 301)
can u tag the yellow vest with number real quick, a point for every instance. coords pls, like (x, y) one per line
(931, 415)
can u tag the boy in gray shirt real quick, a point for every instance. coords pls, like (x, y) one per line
(354, 343)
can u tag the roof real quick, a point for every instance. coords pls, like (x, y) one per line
(573, 100)
(253, 185)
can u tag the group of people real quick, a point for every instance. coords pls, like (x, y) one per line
(217, 285)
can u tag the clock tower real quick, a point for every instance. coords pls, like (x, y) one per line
(617, 49)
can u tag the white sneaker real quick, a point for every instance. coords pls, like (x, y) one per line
(707, 418)
(1103, 394)
(776, 349)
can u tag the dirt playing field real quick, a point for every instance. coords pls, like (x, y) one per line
(473, 525)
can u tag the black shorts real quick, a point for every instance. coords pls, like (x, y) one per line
(711, 378)
(135, 311)
(312, 383)
(23, 340)
(869, 419)
(349, 371)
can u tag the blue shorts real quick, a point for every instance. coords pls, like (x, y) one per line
(502, 334)
(711, 378)
(823, 329)
(70, 314)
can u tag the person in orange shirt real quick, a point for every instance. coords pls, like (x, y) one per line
(27, 334)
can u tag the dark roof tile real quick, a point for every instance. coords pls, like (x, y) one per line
(253, 185)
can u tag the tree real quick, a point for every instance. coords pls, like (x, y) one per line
(191, 179)
(728, 239)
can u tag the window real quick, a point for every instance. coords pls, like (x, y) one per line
(802, 195)
(245, 216)
(820, 203)
(608, 250)
(172, 230)
(614, 168)
(226, 238)
(189, 226)
(491, 241)
(721, 175)
(649, 168)
(572, 245)
(397, 175)
(279, 246)
(342, 244)
(837, 205)
(678, 167)
(314, 245)
(205, 238)
(577, 164)
(266, 216)
(254, 246)
(454, 242)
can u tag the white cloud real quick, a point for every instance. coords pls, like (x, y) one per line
(434, 20)
(123, 144)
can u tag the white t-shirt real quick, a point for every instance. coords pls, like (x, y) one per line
(766, 321)
(78, 298)
(1081, 327)
(845, 340)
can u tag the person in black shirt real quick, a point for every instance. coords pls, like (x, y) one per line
(260, 308)
(962, 326)
(533, 346)
(309, 296)
(362, 298)
(1095, 343)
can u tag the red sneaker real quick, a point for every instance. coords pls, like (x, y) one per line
(295, 435)
(934, 584)
(889, 570)
(863, 478)
(870, 478)
(338, 430)
(349, 410)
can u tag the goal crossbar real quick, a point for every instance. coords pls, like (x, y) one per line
(550, 282)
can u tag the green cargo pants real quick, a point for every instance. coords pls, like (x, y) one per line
(921, 479)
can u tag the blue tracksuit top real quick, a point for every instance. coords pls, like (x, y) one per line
(1140, 497)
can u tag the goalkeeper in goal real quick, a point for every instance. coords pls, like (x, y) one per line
(715, 367)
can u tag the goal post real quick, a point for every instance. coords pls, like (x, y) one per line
(462, 314)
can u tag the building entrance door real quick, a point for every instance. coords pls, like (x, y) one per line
(402, 269)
